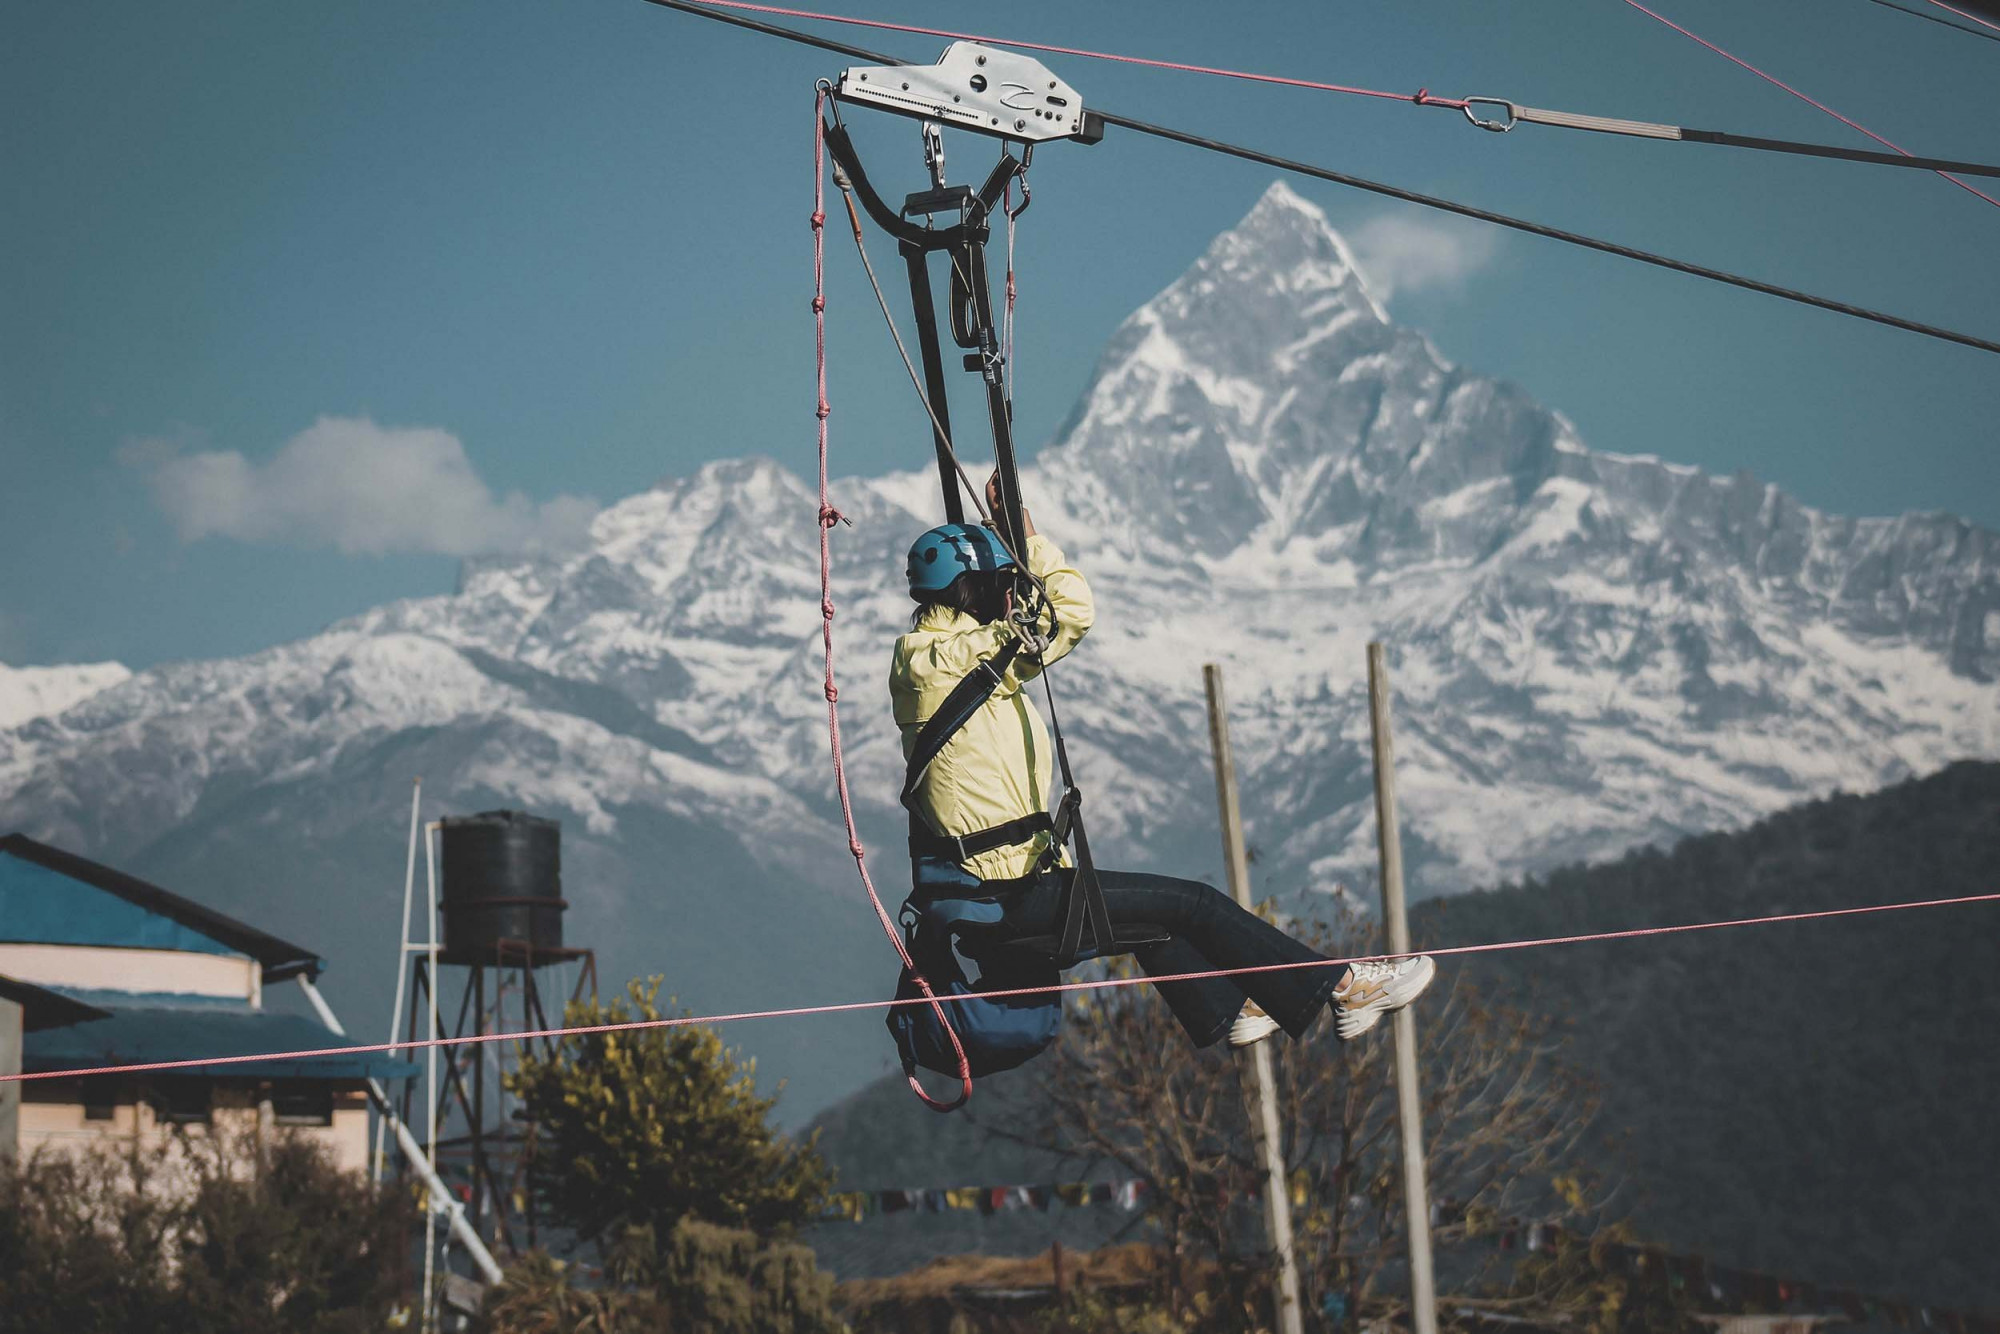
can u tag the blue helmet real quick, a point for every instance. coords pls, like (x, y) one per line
(949, 550)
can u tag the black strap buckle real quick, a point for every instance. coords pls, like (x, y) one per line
(1066, 814)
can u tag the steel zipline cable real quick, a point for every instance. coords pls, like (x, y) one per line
(1469, 106)
(1965, 14)
(1933, 18)
(1942, 169)
(1388, 191)
(1092, 984)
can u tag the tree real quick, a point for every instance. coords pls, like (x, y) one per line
(1123, 1086)
(647, 1127)
(217, 1233)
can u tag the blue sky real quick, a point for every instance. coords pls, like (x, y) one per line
(555, 251)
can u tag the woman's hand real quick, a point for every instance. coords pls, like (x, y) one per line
(993, 508)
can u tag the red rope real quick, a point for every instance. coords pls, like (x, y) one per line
(828, 517)
(1095, 984)
(1422, 97)
(1984, 23)
(1780, 83)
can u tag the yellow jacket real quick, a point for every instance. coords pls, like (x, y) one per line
(999, 767)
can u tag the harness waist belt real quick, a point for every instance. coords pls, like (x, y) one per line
(962, 847)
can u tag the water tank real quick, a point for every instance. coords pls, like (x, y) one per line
(502, 875)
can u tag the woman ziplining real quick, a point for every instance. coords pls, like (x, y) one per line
(1002, 870)
(986, 845)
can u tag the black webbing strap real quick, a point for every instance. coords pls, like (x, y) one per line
(963, 847)
(966, 698)
(1086, 895)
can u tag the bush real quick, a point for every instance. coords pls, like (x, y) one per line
(648, 1127)
(195, 1235)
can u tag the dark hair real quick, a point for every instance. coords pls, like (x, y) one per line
(980, 594)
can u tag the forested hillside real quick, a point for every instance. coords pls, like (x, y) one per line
(1812, 1098)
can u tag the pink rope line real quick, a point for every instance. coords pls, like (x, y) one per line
(1421, 97)
(1780, 83)
(1094, 984)
(1984, 23)
(828, 518)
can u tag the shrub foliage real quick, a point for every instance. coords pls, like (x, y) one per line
(647, 1127)
(210, 1234)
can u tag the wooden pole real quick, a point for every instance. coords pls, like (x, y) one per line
(1396, 922)
(1259, 1079)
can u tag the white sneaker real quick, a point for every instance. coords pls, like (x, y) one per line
(1376, 989)
(1251, 1026)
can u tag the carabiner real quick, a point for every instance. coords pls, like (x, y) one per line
(1497, 126)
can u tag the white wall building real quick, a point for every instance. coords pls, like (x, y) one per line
(98, 968)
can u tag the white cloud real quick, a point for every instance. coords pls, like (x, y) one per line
(360, 488)
(1401, 252)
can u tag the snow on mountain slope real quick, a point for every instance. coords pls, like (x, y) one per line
(27, 693)
(1589, 650)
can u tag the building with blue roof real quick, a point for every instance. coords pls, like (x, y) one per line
(101, 969)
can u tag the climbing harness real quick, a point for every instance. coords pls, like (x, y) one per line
(1016, 99)
(1009, 1016)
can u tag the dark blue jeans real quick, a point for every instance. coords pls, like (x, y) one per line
(1209, 931)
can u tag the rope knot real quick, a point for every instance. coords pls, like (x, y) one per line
(833, 694)
(1423, 97)
(823, 411)
(819, 304)
(818, 219)
(854, 846)
(826, 608)
(829, 516)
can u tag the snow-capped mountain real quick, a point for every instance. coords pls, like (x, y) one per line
(1589, 651)
(27, 693)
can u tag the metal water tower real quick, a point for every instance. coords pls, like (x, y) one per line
(502, 880)
(497, 885)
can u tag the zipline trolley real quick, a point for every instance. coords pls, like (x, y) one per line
(1016, 99)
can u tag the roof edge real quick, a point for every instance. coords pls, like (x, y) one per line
(42, 1008)
(280, 959)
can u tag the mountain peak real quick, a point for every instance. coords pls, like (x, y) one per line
(27, 693)
(1289, 238)
(1281, 209)
(1237, 392)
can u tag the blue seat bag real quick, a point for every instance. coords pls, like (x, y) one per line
(998, 1032)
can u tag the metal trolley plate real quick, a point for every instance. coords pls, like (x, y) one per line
(979, 88)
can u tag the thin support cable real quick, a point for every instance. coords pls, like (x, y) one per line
(1932, 18)
(1984, 23)
(1007, 318)
(829, 517)
(1810, 101)
(1420, 98)
(1443, 205)
(1437, 202)
(1091, 984)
